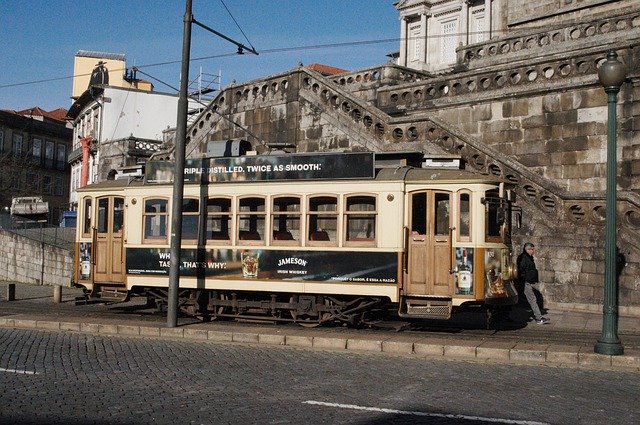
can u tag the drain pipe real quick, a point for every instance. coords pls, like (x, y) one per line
(85, 142)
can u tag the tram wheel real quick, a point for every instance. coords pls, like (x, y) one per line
(216, 311)
(305, 320)
(309, 325)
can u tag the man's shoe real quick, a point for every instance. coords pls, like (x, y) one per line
(542, 321)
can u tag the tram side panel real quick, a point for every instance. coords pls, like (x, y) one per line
(363, 271)
(371, 271)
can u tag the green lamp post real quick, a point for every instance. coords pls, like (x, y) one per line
(612, 74)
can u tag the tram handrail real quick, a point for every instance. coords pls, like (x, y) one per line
(451, 252)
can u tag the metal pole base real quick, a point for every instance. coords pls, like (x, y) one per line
(610, 348)
(11, 292)
(57, 294)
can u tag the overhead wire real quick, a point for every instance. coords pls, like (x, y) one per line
(236, 22)
(205, 105)
(301, 48)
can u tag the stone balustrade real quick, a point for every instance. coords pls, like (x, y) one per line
(419, 130)
(511, 80)
(546, 39)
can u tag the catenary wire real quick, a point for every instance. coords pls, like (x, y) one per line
(262, 52)
(236, 22)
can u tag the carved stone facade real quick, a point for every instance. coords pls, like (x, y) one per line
(523, 105)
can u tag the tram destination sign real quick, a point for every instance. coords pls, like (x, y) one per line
(318, 166)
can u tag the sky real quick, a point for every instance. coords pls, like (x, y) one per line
(39, 39)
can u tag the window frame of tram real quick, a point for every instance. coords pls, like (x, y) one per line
(190, 219)
(322, 220)
(155, 222)
(251, 220)
(102, 215)
(465, 222)
(442, 211)
(360, 218)
(493, 228)
(87, 213)
(286, 220)
(118, 215)
(419, 213)
(464, 255)
(219, 226)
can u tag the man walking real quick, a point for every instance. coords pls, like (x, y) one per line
(528, 275)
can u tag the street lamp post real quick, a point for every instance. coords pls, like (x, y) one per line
(612, 74)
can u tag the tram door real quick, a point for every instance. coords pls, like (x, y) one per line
(108, 252)
(429, 247)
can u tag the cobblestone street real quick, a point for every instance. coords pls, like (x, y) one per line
(53, 377)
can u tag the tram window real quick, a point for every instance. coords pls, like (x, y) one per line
(103, 215)
(218, 219)
(190, 216)
(86, 222)
(155, 220)
(493, 222)
(118, 214)
(251, 220)
(360, 219)
(323, 220)
(419, 213)
(464, 218)
(285, 223)
(442, 218)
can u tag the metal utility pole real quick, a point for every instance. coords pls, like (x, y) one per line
(178, 178)
(178, 175)
(612, 74)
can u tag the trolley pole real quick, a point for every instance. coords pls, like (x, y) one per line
(178, 177)
(181, 140)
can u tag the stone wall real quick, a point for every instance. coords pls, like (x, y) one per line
(545, 12)
(25, 260)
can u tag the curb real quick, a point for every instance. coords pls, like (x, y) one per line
(580, 356)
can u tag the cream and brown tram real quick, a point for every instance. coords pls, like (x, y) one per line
(304, 238)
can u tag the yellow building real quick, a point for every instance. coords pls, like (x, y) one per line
(105, 68)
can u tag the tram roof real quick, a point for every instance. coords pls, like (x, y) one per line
(404, 173)
(412, 174)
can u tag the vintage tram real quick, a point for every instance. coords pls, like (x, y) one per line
(305, 238)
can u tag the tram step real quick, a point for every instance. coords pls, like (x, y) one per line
(114, 294)
(427, 309)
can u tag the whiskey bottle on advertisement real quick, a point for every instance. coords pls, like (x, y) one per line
(85, 264)
(465, 278)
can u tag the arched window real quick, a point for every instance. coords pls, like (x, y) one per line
(251, 221)
(86, 218)
(155, 219)
(285, 224)
(323, 220)
(190, 218)
(464, 216)
(218, 220)
(360, 220)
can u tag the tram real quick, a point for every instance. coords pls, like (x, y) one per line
(306, 238)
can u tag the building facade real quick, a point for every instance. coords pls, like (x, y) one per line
(34, 145)
(523, 103)
(431, 31)
(118, 120)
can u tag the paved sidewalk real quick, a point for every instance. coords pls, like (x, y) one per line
(567, 341)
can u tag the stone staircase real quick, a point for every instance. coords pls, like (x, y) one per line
(369, 127)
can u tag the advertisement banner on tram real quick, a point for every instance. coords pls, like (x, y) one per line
(359, 165)
(326, 266)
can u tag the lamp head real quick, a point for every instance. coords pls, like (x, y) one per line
(612, 72)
